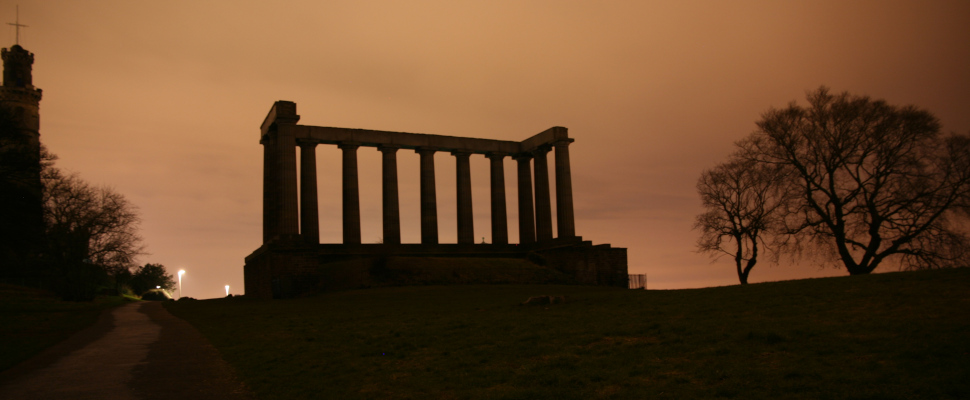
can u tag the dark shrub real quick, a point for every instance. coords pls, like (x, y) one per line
(81, 282)
(156, 295)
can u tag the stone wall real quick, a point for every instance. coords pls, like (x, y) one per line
(285, 269)
(282, 268)
(589, 264)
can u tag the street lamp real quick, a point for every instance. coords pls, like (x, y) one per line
(227, 290)
(181, 272)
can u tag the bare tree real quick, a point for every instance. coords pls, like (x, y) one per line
(94, 225)
(873, 180)
(742, 199)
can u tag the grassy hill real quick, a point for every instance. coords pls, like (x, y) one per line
(887, 336)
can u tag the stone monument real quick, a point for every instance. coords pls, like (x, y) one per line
(292, 261)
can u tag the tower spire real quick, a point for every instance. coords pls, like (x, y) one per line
(17, 24)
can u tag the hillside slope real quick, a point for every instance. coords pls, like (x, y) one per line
(894, 335)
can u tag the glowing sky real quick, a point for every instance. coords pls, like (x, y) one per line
(163, 101)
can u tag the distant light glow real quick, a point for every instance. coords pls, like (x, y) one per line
(227, 290)
(181, 272)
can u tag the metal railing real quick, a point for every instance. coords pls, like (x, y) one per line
(637, 281)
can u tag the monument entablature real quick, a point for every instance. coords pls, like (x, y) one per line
(283, 116)
(420, 141)
(291, 223)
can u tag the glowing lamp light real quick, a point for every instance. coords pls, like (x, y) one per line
(181, 272)
(227, 290)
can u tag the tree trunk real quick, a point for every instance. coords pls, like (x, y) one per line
(738, 259)
(861, 269)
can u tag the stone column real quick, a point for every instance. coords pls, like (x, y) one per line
(351, 194)
(281, 212)
(289, 202)
(309, 215)
(500, 229)
(466, 230)
(271, 193)
(527, 227)
(566, 224)
(429, 201)
(543, 202)
(392, 213)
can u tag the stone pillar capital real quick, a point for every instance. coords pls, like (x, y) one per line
(461, 153)
(541, 150)
(426, 150)
(306, 144)
(563, 142)
(388, 148)
(348, 145)
(522, 156)
(495, 155)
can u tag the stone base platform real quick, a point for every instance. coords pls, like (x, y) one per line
(287, 267)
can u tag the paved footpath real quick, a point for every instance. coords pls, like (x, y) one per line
(136, 351)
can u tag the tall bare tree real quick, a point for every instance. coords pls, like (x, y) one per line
(873, 180)
(93, 225)
(742, 199)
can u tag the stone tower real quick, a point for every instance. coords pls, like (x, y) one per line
(21, 212)
(18, 94)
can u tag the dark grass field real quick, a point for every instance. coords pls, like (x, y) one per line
(886, 336)
(32, 320)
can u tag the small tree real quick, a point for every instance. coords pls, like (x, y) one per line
(742, 199)
(149, 277)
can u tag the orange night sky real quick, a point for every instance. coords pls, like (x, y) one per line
(163, 102)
